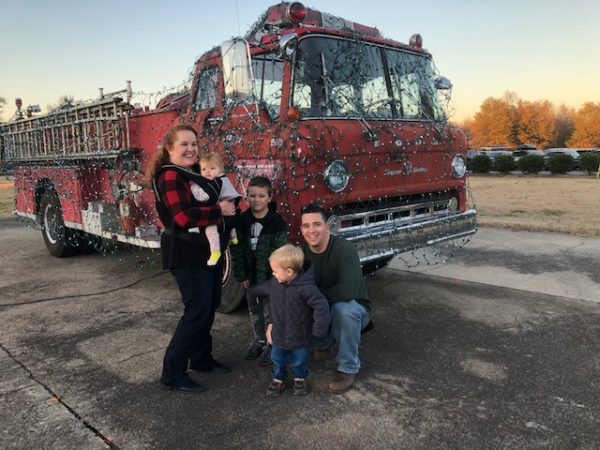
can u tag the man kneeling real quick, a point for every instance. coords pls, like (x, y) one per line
(338, 275)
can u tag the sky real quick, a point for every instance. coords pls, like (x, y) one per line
(539, 49)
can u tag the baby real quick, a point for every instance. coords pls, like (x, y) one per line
(211, 167)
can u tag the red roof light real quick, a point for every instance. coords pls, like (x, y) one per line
(416, 40)
(296, 12)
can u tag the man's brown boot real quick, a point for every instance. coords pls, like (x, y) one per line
(341, 382)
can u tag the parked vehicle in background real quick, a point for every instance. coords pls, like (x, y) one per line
(550, 152)
(518, 154)
(6, 169)
(526, 147)
(493, 148)
(493, 154)
(471, 153)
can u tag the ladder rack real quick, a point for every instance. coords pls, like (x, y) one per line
(92, 130)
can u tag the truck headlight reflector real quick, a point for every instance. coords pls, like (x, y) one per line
(334, 223)
(453, 204)
(459, 166)
(336, 176)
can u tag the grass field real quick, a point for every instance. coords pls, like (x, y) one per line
(564, 204)
(567, 204)
(7, 203)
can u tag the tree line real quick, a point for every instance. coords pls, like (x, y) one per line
(513, 121)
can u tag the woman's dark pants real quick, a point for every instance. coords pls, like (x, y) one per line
(192, 341)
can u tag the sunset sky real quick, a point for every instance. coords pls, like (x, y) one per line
(539, 49)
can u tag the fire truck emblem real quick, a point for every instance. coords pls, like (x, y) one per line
(408, 169)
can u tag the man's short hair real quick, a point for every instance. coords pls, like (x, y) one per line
(262, 182)
(288, 257)
(313, 208)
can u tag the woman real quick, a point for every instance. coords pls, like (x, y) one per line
(185, 255)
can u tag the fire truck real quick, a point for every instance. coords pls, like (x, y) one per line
(330, 110)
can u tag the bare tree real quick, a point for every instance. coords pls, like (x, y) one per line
(64, 102)
(565, 124)
(2, 103)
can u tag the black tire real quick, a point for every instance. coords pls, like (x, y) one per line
(58, 238)
(233, 293)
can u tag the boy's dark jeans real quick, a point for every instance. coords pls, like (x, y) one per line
(260, 317)
(297, 360)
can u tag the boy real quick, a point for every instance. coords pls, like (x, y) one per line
(261, 230)
(298, 312)
(211, 168)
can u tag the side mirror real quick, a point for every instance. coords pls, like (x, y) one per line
(287, 45)
(235, 55)
(443, 84)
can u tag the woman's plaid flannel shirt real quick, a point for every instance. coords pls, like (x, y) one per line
(178, 199)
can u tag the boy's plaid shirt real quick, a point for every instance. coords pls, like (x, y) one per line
(177, 197)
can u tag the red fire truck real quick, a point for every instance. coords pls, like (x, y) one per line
(328, 109)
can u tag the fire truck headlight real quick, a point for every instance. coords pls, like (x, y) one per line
(336, 176)
(453, 204)
(334, 224)
(459, 166)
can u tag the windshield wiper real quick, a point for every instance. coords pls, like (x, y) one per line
(434, 123)
(368, 131)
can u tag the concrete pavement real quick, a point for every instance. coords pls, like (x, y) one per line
(549, 263)
(451, 364)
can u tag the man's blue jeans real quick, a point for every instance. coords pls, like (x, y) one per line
(347, 321)
(297, 360)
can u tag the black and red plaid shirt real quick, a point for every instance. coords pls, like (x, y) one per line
(177, 196)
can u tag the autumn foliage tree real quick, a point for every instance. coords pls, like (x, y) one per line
(510, 120)
(494, 123)
(536, 123)
(587, 126)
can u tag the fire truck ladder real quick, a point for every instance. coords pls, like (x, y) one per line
(88, 131)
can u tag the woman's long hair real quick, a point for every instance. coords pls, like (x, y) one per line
(161, 156)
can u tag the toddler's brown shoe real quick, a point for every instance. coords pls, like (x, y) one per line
(275, 388)
(300, 387)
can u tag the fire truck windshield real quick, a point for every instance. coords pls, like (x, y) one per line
(348, 79)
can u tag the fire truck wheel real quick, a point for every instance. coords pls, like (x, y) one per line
(233, 293)
(58, 238)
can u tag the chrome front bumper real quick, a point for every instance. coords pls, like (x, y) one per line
(387, 238)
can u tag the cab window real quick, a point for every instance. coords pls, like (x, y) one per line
(268, 73)
(207, 87)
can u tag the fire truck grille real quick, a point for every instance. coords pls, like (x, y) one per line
(382, 228)
(372, 213)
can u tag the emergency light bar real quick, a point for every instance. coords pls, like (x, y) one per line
(286, 15)
(296, 12)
